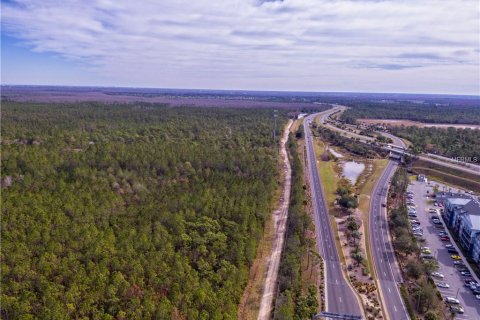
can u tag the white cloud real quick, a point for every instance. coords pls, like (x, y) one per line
(253, 44)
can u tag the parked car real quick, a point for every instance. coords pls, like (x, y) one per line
(443, 285)
(452, 300)
(468, 282)
(456, 309)
(445, 238)
(455, 257)
(442, 233)
(452, 251)
(437, 275)
(466, 273)
(449, 245)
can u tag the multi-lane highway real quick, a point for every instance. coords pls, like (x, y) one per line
(339, 295)
(386, 270)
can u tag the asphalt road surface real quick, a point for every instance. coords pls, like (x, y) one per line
(339, 295)
(386, 268)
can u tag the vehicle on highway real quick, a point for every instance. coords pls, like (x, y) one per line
(437, 275)
(443, 285)
(455, 257)
(452, 300)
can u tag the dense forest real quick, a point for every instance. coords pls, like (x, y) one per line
(424, 112)
(294, 302)
(449, 142)
(141, 211)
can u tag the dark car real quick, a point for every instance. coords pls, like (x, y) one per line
(467, 282)
(452, 251)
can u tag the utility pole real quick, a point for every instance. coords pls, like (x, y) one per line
(275, 115)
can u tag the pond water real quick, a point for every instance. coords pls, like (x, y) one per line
(352, 170)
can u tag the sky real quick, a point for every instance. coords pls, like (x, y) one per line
(413, 46)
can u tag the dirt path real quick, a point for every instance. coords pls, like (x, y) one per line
(280, 222)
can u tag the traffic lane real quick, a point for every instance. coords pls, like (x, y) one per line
(446, 266)
(324, 237)
(384, 256)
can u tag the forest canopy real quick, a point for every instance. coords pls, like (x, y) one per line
(113, 211)
(416, 111)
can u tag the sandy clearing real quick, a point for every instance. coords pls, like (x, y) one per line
(280, 224)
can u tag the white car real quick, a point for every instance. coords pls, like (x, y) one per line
(452, 300)
(443, 285)
(477, 296)
(437, 275)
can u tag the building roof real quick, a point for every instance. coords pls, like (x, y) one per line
(474, 221)
(472, 208)
(454, 198)
(458, 201)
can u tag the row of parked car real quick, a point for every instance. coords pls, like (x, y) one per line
(454, 303)
(426, 253)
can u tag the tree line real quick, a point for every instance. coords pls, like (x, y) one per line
(117, 211)
(455, 113)
(294, 301)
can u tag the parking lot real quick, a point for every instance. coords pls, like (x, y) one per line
(452, 277)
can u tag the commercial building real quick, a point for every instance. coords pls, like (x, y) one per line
(462, 215)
